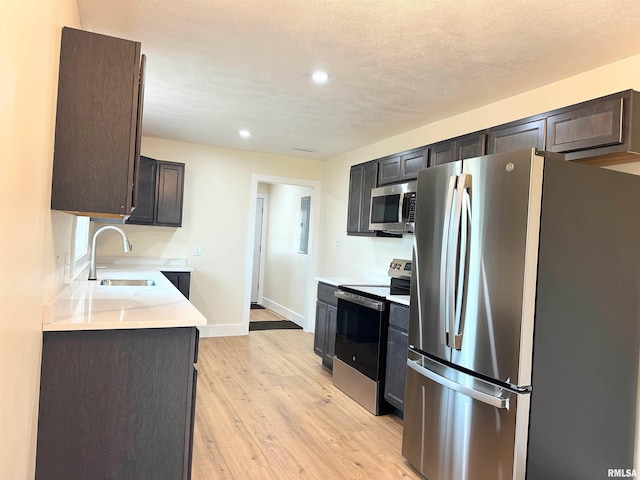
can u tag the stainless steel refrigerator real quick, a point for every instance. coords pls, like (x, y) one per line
(525, 315)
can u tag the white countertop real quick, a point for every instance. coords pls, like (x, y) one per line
(337, 281)
(401, 299)
(87, 305)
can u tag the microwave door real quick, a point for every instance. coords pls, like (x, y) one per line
(391, 206)
(386, 209)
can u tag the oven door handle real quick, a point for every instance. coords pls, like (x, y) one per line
(362, 301)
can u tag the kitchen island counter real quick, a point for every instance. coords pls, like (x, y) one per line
(87, 305)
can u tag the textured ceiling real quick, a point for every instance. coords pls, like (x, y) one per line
(217, 66)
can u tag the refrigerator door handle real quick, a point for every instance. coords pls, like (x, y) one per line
(497, 402)
(445, 287)
(453, 258)
(455, 335)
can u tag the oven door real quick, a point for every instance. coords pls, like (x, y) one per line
(361, 333)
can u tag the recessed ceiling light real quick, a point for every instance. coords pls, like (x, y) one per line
(244, 133)
(319, 77)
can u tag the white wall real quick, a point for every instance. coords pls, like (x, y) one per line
(217, 201)
(285, 268)
(33, 239)
(362, 255)
(218, 186)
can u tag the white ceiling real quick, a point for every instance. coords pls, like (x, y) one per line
(217, 66)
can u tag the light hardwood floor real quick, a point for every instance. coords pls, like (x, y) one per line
(267, 409)
(264, 315)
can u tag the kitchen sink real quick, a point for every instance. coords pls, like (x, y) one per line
(127, 282)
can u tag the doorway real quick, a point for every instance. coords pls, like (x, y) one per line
(280, 268)
(258, 259)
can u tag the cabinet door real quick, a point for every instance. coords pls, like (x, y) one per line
(146, 188)
(116, 404)
(441, 153)
(192, 416)
(362, 178)
(389, 170)
(180, 280)
(369, 178)
(595, 124)
(96, 124)
(470, 146)
(411, 164)
(330, 349)
(320, 334)
(169, 194)
(517, 137)
(353, 207)
(397, 345)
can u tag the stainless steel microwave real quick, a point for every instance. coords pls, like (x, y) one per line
(393, 208)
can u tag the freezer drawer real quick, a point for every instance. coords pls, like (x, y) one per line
(457, 427)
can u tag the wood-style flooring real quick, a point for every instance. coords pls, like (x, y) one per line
(267, 409)
(264, 315)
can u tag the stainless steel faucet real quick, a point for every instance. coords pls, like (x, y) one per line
(127, 247)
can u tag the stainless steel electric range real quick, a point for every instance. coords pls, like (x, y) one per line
(361, 340)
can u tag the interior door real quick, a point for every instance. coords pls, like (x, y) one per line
(257, 249)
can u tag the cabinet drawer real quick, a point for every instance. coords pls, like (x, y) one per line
(399, 316)
(325, 294)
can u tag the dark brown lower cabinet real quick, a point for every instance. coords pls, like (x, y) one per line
(117, 404)
(397, 346)
(180, 280)
(324, 340)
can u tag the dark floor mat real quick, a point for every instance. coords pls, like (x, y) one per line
(255, 306)
(273, 325)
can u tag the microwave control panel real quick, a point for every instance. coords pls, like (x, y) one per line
(411, 217)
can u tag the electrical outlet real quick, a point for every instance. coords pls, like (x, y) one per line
(197, 251)
(338, 240)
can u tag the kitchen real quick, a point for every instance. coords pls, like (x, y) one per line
(26, 201)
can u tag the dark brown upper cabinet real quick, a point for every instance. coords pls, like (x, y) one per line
(160, 193)
(460, 148)
(601, 130)
(517, 136)
(401, 167)
(98, 125)
(362, 179)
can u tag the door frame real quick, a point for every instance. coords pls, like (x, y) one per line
(263, 240)
(312, 260)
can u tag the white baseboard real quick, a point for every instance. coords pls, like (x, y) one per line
(239, 329)
(227, 330)
(284, 311)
